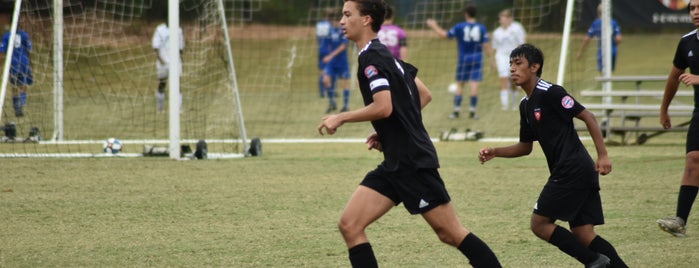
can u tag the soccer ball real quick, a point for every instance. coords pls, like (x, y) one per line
(452, 88)
(112, 146)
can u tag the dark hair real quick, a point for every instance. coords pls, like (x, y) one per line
(389, 12)
(376, 9)
(471, 10)
(531, 53)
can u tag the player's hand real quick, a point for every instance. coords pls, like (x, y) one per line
(665, 120)
(373, 142)
(604, 165)
(431, 22)
(486, 154)
(327, 59)
(330, 124)
(689, 79)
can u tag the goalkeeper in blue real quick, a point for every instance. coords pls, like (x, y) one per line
(20, 68)
(572, 191)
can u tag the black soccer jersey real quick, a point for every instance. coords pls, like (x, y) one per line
(402, 135)
(687, 55)
(547, 116)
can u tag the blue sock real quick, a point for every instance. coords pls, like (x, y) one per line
(457, 101)
(474, 102)
(345, 97)
(17, 103)
(321, 87)
(331, 96)
(23, 98)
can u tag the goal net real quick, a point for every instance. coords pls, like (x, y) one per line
(109, 79)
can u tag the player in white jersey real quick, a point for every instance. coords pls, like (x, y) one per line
(161, 41)
(506, 37)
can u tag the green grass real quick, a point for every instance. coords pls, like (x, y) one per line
(281, 210)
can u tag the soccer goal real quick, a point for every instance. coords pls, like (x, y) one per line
(94, 78)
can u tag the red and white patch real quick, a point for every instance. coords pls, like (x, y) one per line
(537, 114)
(370, 71)
(567, 102)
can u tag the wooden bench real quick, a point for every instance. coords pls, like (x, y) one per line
(634, 112)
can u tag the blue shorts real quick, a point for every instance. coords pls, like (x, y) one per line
(469, 71)
(21, 75)
(339, 71)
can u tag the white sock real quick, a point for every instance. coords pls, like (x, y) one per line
(505, 98)
(161, 100)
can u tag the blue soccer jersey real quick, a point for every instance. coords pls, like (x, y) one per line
(323, 30)
(470, 37)
(337, 39)
(20, 70)
(596, 31)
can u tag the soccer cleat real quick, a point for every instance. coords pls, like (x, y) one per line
(673, 225)
(453, 115)
(331, 109)
(472, 115)
(601, 262)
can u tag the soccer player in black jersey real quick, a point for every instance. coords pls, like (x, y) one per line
(572, 191)
(685, 56)
(393, 98)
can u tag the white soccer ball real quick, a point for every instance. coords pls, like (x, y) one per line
(452, 88)
(112, 146)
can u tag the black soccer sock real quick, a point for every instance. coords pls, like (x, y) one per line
(685, 200)
(477, 252)
(362, 256)
(601, 245)
(566, 242)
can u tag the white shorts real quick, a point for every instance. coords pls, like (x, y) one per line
(163, 71)
(503, 63)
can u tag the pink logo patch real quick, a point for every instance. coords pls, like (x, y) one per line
(567, 102)
(370, 71)
(537, 114)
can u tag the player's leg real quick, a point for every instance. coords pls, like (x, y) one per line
(554, 203)
(689, 185)
(162, 72)
(328, 83)
(475, 78)
(503, 65)
(461, 77)
(16, 97)
(343, 81)
(365, 206)
(448, 228)
(582, 226)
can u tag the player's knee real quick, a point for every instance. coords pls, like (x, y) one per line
(348, 228)
(161, 87)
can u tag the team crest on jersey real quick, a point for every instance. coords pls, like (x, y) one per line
(370, 71)
(537, 114)
(567, 102)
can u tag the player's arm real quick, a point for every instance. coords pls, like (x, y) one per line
(380, 108)
(435, 27)
(334, 53)
(586, 41)
(673, 82)
(425, 94)
(515, 150)
(603, 165)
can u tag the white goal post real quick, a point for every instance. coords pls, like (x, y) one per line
(94, 78)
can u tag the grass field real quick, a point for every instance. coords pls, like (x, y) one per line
(281, 210)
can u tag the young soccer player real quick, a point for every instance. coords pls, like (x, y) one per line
(160, 43)
(336, 68)
(393, 98)
(472, 38)
(393, 36)
(506, 37)
(595, 31)
(684, 58)
(323, 28)
(572, 191)
(20, 68)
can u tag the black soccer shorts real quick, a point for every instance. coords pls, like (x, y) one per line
(420, 190)
(577, 207)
